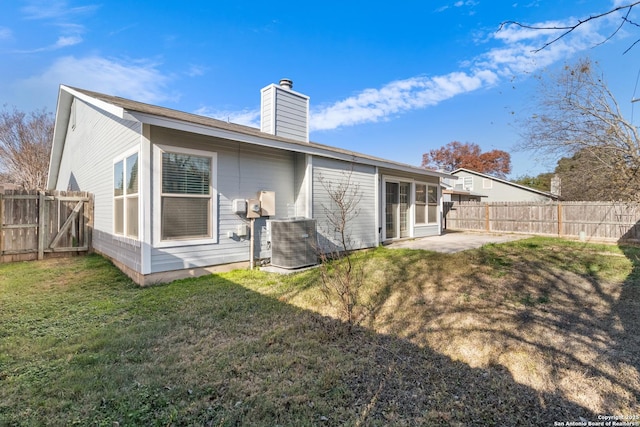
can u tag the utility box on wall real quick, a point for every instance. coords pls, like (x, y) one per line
(239, 206)
(253, 208)
(267, 203)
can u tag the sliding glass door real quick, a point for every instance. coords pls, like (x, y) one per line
(397, 209)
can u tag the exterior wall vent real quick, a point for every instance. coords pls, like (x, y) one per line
(293, 243)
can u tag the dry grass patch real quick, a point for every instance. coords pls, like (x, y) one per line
(561, 317)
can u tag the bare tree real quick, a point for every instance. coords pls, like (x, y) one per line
(342, 274)
(567, 29)
(577, 113)
(25, 147)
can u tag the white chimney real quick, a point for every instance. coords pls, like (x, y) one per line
(556, 186)
(284, 112)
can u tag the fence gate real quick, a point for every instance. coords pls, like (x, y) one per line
(35, 225)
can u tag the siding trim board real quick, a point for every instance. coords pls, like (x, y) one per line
(146, 197)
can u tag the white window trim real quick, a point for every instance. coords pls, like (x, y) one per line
(398, 180)
(426, 205)
(464, 183)
(487, 184)
(436, 204)
(157, 198)
(125, 237)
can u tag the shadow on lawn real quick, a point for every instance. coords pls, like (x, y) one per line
(627, 309)
(207, 351)
(298, 365)
(546, 319)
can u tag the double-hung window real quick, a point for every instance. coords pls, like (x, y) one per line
(426, 200)
(432, 204)
(187, 195)
(125, 196)
(421, 203)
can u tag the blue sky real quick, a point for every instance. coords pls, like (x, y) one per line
(390, 79)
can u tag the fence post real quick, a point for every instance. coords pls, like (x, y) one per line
(88, 224)
(560, 219)
(41, 227)
(487, 224)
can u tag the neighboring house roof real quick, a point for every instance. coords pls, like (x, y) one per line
(173, 119)
(504, 181)
(450, 189)
(463, 193)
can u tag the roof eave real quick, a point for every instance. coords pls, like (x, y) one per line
(272, 141)
(61, 124)
(66, 95)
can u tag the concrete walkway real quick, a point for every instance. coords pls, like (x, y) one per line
(455, 241)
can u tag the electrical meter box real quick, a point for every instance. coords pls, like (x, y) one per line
(253, 208)
(267, 203)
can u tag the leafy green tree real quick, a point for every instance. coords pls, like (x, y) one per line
(540, 182)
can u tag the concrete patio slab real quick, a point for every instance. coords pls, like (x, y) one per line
(455, 241)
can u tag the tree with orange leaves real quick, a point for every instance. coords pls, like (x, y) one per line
(457, 155)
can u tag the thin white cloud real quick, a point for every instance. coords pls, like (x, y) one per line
(60, 15)
(54, 9)
(515, 55)
(459, 3)
(62, 42)
(373, 105)
(67, 41)
(5, 33)
(196, 70)
(244, 117)
(140, 80)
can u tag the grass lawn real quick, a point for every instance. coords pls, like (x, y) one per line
(525, 333)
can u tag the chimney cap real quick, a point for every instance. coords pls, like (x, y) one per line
(286, 83)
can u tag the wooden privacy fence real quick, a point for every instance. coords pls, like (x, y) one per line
(35, 225)
(607, 221)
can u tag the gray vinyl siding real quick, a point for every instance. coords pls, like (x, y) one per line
(266, 115)
(301, 187)
(361, 228)
(291, 117)
(500, 191)
(87, 165)
(242, 172)
(426, 230)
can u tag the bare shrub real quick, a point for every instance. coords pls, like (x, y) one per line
(341, 270)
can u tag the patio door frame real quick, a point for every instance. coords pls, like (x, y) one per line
(397, 215)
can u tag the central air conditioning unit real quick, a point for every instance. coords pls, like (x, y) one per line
(293, 243)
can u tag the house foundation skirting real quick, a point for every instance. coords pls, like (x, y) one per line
(170, 276)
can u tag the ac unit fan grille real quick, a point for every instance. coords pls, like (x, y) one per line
(293, 243)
